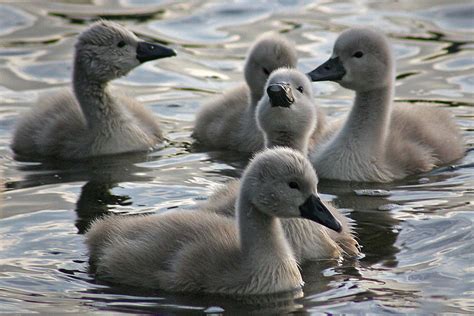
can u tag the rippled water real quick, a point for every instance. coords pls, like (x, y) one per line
(416, 235)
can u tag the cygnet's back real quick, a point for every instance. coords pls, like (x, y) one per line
(90, 120)
(205, 252)
(380, 141)
(228, 121)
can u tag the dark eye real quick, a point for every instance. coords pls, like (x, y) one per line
(358, 54)
(293, 185)
(121, 44)
(300, 89)
(265, 71)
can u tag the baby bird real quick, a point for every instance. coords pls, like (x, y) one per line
(380, 142)
(92, 120)
(228, 122)
(204, 252)
(286, 115)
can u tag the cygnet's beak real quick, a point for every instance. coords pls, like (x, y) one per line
(314, 209)
(150, 51)
(331, 70)
(280, 94)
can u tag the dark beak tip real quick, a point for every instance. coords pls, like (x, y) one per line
(150, 51)
(312, 76)
(331, 70)
(279, 95)
(314, 209)
(275, 88)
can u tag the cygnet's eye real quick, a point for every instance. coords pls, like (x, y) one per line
(265, 71)
(300, 89)
(358, 54)
(121, 44)
(293, 185)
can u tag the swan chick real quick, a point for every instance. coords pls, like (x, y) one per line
(380, 142)
(228, 121)
(287, 114)
(91, 120)
(205, 252)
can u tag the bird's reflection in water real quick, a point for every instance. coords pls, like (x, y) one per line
(101, 175)
(111, 169)
(376, 230)
(157, 301)
(95, 200)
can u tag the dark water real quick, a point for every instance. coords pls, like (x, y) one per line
(417, 239)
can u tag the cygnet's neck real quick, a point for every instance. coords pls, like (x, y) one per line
(296, 141)
(92, 95)
(260, 234)
(249, 116)
(368, 122)
(255, 96)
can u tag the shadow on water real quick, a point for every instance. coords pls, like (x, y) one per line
(101, 174)
(139, 300)
(119, 168)
(95, 201)
(376, 226)
(375, 229)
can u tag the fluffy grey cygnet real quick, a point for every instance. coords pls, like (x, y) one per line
(204, 252)
(92, 120)
(286, 114)
(380, 142)
(228, 121)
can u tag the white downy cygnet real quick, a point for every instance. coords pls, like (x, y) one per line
(91, 120)
(204, 252)
(228, 121)
(380, 142)
(286, 114)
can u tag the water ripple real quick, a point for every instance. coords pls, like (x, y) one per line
(13, 19)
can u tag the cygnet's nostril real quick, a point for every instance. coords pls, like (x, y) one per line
(327, 67)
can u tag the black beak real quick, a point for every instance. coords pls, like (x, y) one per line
(331, 70)
(149, 51)
(314, 209)
(280, 95)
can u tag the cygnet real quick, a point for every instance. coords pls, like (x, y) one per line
(92, 120)
(380, 142)
(228, 121)
(195, 251)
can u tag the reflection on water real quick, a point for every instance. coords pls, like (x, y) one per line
(97, 200)
(416, 238)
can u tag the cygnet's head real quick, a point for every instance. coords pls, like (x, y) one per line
(106, 51)
(269, 52)
(281, 182)
(362, 60)
(286, 113)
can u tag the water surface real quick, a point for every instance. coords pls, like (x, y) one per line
(416, 237)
